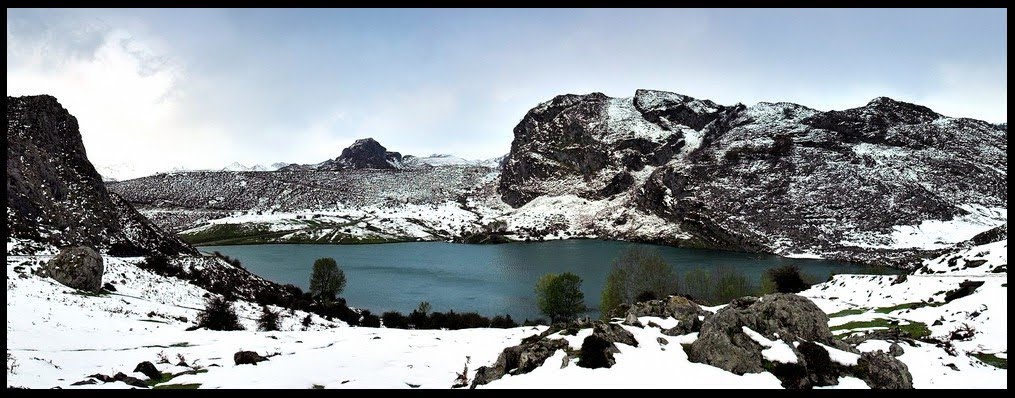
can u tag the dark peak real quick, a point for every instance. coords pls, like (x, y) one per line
(364, 153)
(905, 109)
(366, 141)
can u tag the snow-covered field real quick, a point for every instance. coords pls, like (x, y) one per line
(57, 336)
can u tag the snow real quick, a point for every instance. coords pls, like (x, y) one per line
(839, 356)
(775, 350)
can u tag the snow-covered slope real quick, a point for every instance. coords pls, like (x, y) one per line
(57, 336)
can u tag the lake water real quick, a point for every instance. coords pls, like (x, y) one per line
(489, 279)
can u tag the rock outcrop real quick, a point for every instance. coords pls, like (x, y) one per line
(54, 194)
(364, 153)
(723, 343)
(773, 177)
(77, 267)
(519, 359)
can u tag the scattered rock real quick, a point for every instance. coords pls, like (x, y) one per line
(596, 353)
(77, 267)
(896, 350)
(883, 371)
(614, 333)
(632, 320)
(108, 287)
(148, 369)
(899, 279)
(84, 382)
(965, 288)
(248, 357)
(662, 341)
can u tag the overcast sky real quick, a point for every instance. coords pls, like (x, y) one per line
(204, 88)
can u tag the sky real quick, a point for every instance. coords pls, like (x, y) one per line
(156, 89)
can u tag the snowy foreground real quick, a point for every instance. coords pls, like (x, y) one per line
(57, 336)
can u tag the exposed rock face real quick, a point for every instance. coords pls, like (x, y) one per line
(880, 370)
(723, 344)
(148, 369)
(54, 194)
(77, 267)
(519, 359)
(773, 177)
(364, 154)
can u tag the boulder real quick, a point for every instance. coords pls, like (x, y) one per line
(77, 267)
(684, 310)
(248, 357)
(598, 349)
(896, 350)
(880, 370)
(723, 344)
(148, 369)
(632, 320)
(519, 359)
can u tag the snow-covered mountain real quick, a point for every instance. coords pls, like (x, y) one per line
(884, 182)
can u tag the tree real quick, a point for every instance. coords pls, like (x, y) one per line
(639, 274)
(560, 296)
(218, 314)
(327, 280)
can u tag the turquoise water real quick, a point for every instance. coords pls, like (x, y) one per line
(489, 279)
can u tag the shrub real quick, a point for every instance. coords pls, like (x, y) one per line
(560, 296)
(160, 264)
(232, 261)
(218, 314)
(395, 320)
(503, 322)
(309, 320)
(369, 320)
(535, 322)
(327, 280)
(698, 285)
(639, 274)
(268, 321)
(720, 286)
(730, 284)
(786, 279)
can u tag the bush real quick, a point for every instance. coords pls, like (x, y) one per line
(232, 261)
(395, 320)
(730, 284)
(369, 320)
(503, 322)
(639, 274)
(535, 322)
(268, 321)
(160, 264)
(219, 314)
(327, 280)
(786, 279)
(560, 296)
(309, 320)
(720, 286)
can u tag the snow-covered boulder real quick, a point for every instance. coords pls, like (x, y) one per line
(77, 267)
(880, 369)
(724, 340)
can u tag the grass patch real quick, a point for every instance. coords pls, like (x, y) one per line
(181, 344)
(189, 386)
(992, 360)
(907, 306)
(164, 377)
(852, 311)
(317, 387)
(915, 330)
(153, 321)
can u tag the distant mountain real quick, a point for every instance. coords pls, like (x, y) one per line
(886, 181)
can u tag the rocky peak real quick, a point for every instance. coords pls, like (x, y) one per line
(54, 194)
(365, 153)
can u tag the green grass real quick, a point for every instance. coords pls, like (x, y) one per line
(190, 386)
(906, 306)
(915, 330)
(992, 360)
(161, 379)
(852, 311)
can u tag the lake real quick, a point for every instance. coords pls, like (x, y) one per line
(489, 279)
